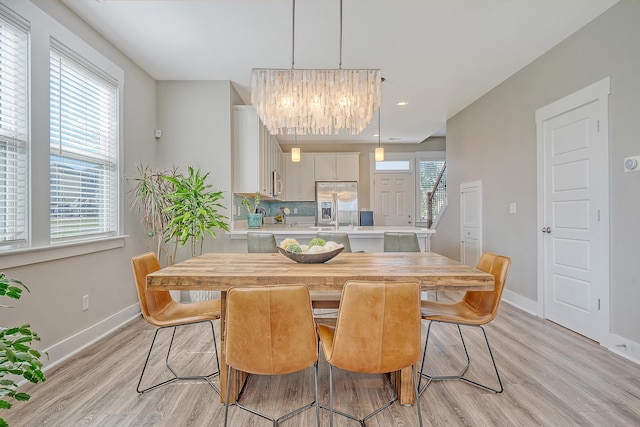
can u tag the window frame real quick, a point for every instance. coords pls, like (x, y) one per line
(20, 141)
(73, 148)
(39, 247)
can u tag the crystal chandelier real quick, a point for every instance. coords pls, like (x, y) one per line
(315, 101)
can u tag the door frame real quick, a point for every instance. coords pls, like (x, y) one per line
(597, 93)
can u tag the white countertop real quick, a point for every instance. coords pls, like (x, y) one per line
(305, 229)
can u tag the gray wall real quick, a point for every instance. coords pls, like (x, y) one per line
(494, 140)
(54, 305)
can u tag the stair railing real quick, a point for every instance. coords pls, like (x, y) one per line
(437, 199)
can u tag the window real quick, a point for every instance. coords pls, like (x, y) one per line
(13, 132)
(429, 172)
(394, 165)
(83, 149)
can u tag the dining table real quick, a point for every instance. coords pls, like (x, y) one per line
(222, 271)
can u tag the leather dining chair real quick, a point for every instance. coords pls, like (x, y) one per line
(160, 310)
(377, 331)
(270, 331)
(261, 242)
(476, 308)
(400, 242)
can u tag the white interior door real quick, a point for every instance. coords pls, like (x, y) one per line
(470, 222)
(575, 218)
(394, 194)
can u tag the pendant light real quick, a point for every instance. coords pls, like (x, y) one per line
(379, 150)
(295, 151)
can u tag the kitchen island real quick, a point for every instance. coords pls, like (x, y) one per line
(367, 239)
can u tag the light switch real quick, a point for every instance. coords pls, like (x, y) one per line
(512, 207)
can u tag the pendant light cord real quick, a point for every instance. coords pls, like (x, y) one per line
(340, 65)
(379, 108)
(293, 36)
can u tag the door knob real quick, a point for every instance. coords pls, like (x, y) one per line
(546, 229)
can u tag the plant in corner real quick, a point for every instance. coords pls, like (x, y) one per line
(16, 355)
(193, 209)
(194, 212)
(148, 199)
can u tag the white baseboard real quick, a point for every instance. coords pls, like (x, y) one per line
(523, 303)
(626, 348)
(66, 348)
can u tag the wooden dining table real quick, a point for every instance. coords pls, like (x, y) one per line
(221, 271)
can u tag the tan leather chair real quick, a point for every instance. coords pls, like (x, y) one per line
(400, 242)
(476, 308)
(159, 309)
(378, 331)
(270, 331)
(261, 243)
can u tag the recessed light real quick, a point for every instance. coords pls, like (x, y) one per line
(402, 103)
(376, 135)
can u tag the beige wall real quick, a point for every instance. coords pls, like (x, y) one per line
(195, 117)
(494, 140)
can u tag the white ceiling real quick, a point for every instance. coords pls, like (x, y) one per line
(437, 55)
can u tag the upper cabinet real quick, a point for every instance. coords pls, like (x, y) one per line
(337, 167)
(300, 185)
(257, 154)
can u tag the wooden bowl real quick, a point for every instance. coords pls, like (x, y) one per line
(310, 258)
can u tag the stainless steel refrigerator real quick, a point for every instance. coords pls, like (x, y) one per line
(336, 197)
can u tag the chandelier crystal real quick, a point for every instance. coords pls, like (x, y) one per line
(315, 101)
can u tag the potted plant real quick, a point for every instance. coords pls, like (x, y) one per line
(148, 199)
(254, 219)
(193, 208)
(17, 357)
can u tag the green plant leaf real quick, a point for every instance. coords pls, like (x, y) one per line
(22, 396)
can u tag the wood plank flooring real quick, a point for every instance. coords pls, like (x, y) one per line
(551, 376)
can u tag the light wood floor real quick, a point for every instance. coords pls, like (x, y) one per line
(552, 377)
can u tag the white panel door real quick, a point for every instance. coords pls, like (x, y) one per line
(575, 174)
(394, 195)
(470, 222)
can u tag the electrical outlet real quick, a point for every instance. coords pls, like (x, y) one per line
(85, 303)
(295, 210)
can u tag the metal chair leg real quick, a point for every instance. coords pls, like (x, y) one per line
(177, 377)
(275, 421)
(495, 367)
(353, 417)
(459, 376)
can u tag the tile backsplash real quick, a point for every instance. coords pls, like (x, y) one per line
(297, 209)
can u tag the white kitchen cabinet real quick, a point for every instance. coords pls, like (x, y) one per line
(299, 178)
(337, 166)
(256, 153)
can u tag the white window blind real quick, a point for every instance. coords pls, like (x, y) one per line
(83, 149)
(13, 132)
